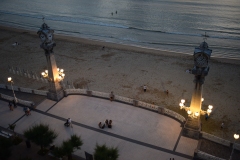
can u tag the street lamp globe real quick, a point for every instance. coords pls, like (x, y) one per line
(209, 111)
(196, 114)
(236, 136)
(9, 79)
(182, 101)
(210, 107)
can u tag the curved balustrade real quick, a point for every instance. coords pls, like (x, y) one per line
(15, 88)
(123, 99)
(9, 98)
(76, 91)
(40, 92)
(175, 115)
(216, 139)
(207, 156)
(147, 105)
(27, 90)
(23, 102)
(3, 86)
(26, 103)
(100, 94)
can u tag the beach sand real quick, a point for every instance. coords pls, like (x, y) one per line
(124, 70)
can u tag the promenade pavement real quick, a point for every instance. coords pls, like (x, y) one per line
(139, 134)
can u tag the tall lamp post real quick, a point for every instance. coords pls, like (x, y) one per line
(11, 82)
(46, 36)
(236, 136)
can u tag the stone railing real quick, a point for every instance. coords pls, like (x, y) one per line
(216, 139)
(21, 89)
(206, 156)
(100, 94)
(15, 88)
(25, 103)
(175, 115)
(3, 86)
(148, 106)
(40, 92)
(237, 146)
(75, 91)
(27, 90)
(123, 99)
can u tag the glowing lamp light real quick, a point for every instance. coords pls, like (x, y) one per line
(202, 99)
(58, 69)
(9, 79)
(209, 111)
(63, 75)
(46, 71)
(196, 114)
(236, 136)
(182, 101)
(189, 112)
(181, 104)
(210, 107)
(61, 70)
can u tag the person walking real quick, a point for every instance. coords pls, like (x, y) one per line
(69, 121)
(14, 104)
(10, 106)
(144, 88)
(111, 96)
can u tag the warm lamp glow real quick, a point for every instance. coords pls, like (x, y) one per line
(46, 71)
(63, 74)
(9, 79)
(210, 107)
(189, 112)
(236, 136)
(196, 114)
(61, 70)
(58, 69)
(209, 111)
(202, 99)
(182, 101)
(180, 104)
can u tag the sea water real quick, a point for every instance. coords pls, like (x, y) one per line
(171, 25)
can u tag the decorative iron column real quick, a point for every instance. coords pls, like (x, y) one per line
(46, 35)
(201, 57)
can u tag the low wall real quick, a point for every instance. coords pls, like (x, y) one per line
(216, 139)
(130, 101)
(26, 90)
(206, 156)
(23, 102)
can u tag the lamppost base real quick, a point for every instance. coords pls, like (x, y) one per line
(192, 128)
(55, 96)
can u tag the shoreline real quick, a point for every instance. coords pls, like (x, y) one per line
(112, 45)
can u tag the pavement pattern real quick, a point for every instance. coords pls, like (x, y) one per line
(137, 133)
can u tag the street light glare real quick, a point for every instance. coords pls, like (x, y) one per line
(236, 136)
(210, 107)
(189, 112)
(183, 101)
(9, 79)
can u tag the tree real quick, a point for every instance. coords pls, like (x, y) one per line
(5, 144)
(41, 135)
(68, 147)
(105, 153)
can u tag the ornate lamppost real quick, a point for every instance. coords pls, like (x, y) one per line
(11, 82)
(201, 57)
(236, 136)
(46, 36)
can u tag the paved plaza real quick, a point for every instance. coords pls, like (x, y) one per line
(138, 133)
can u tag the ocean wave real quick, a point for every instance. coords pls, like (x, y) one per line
(115, 25)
